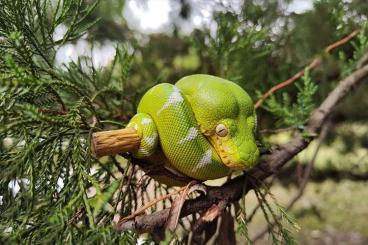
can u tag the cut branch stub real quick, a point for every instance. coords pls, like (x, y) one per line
(114, 142)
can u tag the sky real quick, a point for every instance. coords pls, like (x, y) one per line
(154, 16)
(151, 17)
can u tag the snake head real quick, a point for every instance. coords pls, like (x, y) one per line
(233, 139)
(226, 116)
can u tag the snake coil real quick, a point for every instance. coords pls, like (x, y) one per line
(204, 125)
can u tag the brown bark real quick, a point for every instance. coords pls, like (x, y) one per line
(114, 142)
(270, 164)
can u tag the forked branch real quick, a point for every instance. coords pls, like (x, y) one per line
(314, 64)
(270, 164)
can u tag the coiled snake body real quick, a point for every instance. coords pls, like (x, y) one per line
(203, 124)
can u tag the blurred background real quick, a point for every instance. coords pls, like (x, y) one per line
(257, 44)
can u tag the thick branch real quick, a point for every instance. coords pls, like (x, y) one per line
(303, 183)
(270, 164)
(114, 142)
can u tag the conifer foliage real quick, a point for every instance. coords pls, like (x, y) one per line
(52, 190)
(47, 116)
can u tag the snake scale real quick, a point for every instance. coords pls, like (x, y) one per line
(204, 125)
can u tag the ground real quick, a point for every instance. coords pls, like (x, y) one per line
(335, 210)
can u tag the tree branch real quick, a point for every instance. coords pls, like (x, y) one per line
(303, 183)
(314, 64)
(233, 190)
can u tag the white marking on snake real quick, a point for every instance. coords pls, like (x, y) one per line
(143, 152)
(146, 120)
(135, 126)
(150, 140)
(192, 134)
(205, 160)
(174, 98)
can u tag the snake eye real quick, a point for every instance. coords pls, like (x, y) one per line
(221, 130)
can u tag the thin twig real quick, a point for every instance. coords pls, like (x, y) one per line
(124, 173)
(303, 183)
(275, 131)
(206, 218)
(269, 164)
(151, 203)
(314, 64)
(130, 177)
(254, 211)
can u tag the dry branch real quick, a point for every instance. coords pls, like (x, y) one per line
(303, 183)
(270, 164)
(207, 217)
(314, 64)
(127, 140)
(114, 142)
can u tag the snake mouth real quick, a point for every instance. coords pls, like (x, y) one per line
(233, 156)
(227, 153)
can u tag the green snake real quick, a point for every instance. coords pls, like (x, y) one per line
(203, 124)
